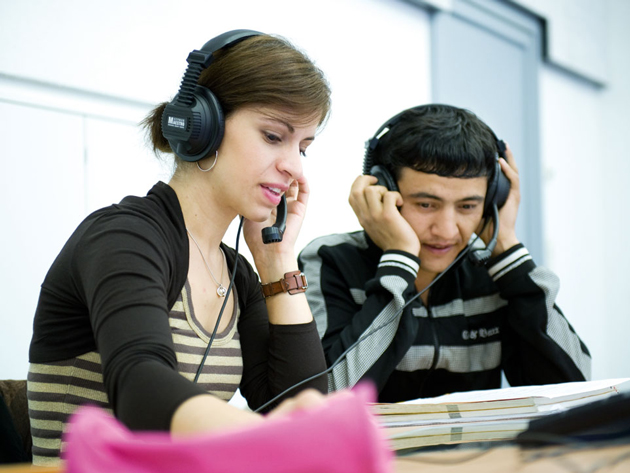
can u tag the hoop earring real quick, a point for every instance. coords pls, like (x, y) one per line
(216, 158)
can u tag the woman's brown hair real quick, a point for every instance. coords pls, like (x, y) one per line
(260, 71)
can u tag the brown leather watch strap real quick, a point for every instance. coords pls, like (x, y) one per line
(293, 282)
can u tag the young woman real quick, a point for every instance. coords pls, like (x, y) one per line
(142, 288)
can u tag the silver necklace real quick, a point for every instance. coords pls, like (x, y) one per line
(221, 290)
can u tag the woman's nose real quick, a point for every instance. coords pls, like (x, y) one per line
(291, 162)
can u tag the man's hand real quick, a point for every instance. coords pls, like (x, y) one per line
(377, 211)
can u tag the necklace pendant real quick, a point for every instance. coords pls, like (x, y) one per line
(221, 291)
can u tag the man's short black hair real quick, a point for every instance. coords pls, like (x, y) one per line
(438, 139)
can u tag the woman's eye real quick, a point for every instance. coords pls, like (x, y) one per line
(272, 138)
(303, 153)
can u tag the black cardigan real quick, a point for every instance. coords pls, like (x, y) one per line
(110, 290)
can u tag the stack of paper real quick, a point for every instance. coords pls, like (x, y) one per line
(496, 414)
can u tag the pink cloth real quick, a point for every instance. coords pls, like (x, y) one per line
(340, 436)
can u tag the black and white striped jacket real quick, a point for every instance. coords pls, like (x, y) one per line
(478, 322)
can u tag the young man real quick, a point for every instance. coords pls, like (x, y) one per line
(470, 321)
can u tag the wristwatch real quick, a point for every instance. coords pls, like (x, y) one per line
(293, 282)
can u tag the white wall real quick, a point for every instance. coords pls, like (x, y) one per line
(612, 236)
(76, 77)
(586, 167)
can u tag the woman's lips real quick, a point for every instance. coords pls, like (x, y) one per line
(273, 194)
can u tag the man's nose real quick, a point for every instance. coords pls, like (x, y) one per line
(445, 224)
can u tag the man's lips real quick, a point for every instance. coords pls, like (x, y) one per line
(438, 249)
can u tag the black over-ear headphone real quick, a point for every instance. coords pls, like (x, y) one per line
(496, 194)
(193, 122)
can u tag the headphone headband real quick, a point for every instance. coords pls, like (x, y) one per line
(228, 38)
(372, 143)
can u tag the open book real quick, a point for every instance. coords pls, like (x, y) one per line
(496, 414)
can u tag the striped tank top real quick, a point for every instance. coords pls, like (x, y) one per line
(56, 389)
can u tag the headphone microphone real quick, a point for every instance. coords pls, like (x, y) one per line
(481, 256)
(274, 233)
(496, 194)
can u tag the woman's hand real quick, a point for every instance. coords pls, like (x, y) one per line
(205, 413)
(306, 399)
(274, 259)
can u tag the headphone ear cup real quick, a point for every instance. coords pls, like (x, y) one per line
(202, 125)
(491, 192)
(498, 191)
(209, 124)
(503, 189)
(384, 177)
(368, 159)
